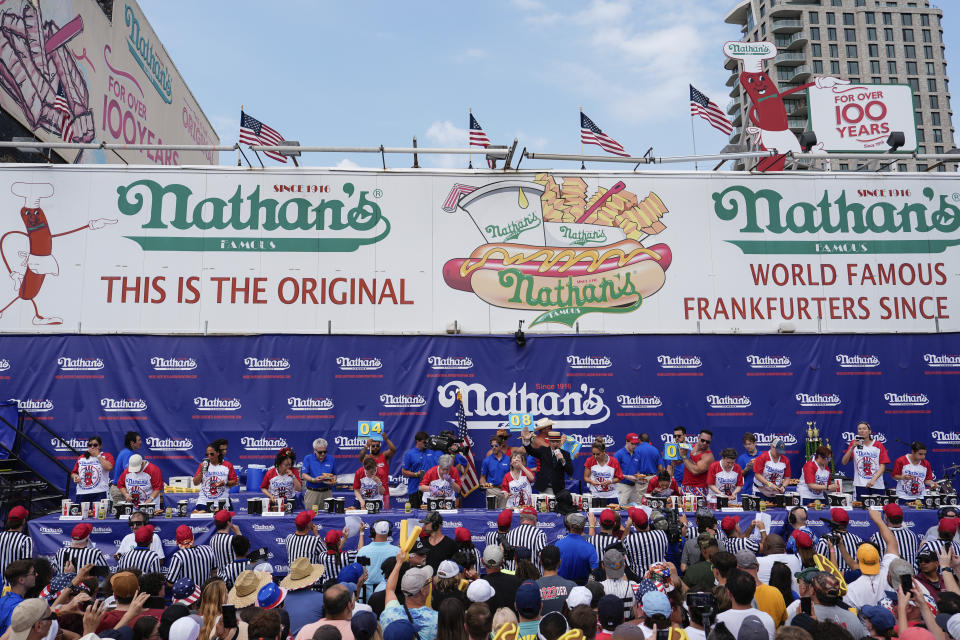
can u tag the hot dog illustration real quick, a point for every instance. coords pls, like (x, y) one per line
(768, 113)
(37, 262)
(616, 275)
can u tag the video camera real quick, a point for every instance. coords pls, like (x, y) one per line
(442, 441)
(667, 520)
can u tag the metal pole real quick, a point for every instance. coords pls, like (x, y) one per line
(693, 135)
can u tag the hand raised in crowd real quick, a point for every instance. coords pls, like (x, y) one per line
(74, 605)
(92, 616)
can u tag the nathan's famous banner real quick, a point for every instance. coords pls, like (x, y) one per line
(75, 75)
(271, 391)
(103, 250)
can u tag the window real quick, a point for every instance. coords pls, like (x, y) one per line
(844, 166)
(850, 35)
(854, 79)
(848, 19)
(873, 51)
(928, 53)
(910, 51)
(891, 51)
(916, 98)
(814, 33)
(919, 117)
(876, 79)
(871, 33)
(934, 102)
(874, 66)
(853, 67)
(818, 66)
(930, 68)
(763, 11)
(902, 166)
(887, 18)
(932, 85)
(888, 34)
(924, 20)
(763, 29)
(922, 167)
(926, 35)
(891, 66)
(893, 80)
(938, 148)
(911, 67)
(860, 3)
(908, 35)
(938, 136)
(920, 135)
(851, 51)
(834, 67)
(831, 33)
(831, 18)
(813, 17)
(914, 84)
(870, 17)
(834, 51)
(815, 50)
(906, 19)
(935, 118)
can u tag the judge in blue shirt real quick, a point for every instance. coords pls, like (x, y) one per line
(416, 462)
(492, 470)
(629, 459)
(319, 471)
(577, 556)
(746, 461)
(131, 442)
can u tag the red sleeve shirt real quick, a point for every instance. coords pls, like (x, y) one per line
(122, 480)
(884, 456)
(270, 475)
(810, 472)
(156, 477)
(760, 462)
(712, 473)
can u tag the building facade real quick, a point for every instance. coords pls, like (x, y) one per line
(870, 41)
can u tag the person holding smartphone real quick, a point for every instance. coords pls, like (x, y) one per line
(870, 460)
(91, 472)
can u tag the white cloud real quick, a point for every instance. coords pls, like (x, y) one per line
(347, 163)
(473, 54)
(446, 134)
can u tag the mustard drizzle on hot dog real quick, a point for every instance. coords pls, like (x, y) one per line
(571, 256)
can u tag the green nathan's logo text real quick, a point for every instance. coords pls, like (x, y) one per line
(764, 212)
(330, 225)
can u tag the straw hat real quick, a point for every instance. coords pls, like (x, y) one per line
(246, 586)
(302, 574)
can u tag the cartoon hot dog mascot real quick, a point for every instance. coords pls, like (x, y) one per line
(591, 258)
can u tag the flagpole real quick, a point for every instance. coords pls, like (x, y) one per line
(696, 166)
(238, 141)
(582, 166)
(470, 112)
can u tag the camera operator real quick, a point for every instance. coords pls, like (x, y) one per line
(870, 460)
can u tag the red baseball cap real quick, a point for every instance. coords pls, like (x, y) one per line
(529, 511)
(223, 515)
(729, 523)
(892, 510)
(461, 534)
(333, 538)
(632, 437)
(144, 534)
(184, 534)
(505, 518)
(17, 514)
(607, 516)
(639, 517)
(304, 518)
(803, 539)
(947, 526)
(839, 516)
(81, 531)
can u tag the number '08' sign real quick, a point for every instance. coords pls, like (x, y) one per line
(520, 420)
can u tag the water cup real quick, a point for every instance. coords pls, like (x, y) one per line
(84, 509)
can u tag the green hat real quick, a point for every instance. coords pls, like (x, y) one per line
(807, 574)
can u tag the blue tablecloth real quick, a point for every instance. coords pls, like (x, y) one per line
(50, 533)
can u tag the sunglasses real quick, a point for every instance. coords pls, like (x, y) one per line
(135, 524)
(93, 445)
(705, 441)
(322, 452)
(926, 558)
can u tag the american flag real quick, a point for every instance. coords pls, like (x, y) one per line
(701, 105)
(477, 137)
(470, 479)
(252, 131)
(591, 134)
(66, 117)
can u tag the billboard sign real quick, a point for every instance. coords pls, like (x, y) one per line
(860, 117)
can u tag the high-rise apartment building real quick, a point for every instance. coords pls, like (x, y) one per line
(871, 41)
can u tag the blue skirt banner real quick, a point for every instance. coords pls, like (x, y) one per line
(270, 391)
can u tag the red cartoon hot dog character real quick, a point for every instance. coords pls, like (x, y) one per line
(37, 262)
(767, 111)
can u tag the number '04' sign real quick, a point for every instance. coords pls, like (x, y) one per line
(370, 429)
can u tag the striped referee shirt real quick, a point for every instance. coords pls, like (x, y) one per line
(196, 563)
(732, 545)
(530, 537)
(850, 542)
(81, 557)
(601, 541)
(645, 548)
(907, 542)
(143, 558)
(623, 589)
(308, 546)
(222, 549)
(938, 546)
(229, 572)
(334, 562)
(13, 546)
(492, 541)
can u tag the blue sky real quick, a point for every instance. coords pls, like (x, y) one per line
(380, 72)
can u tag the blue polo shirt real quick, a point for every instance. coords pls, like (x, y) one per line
(494, 470)
(577, 558)
(7, 604)
(746, 463)
(416, 460)
(629, 463)
(649, 458)
(314, 467)
(120, 465)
